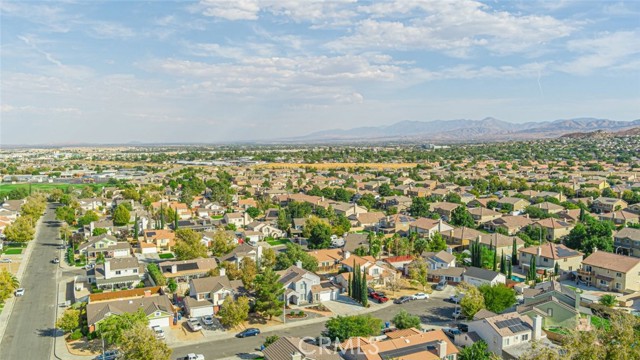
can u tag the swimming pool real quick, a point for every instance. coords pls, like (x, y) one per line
(517, 278)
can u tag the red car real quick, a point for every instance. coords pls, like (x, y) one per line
(379, 297)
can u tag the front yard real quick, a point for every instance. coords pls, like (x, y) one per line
(166, 256)
(278, 242)
(13, 251)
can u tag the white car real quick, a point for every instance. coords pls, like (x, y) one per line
(457, 313)
(194, 325)
(456, 298)
(5, 260)
(158, 331)
(193, 357)
(207, 320)
(19, 292)
(420, 296)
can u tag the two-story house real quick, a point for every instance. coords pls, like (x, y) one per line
(483, 215)
(117, 273)
(207, 294)
(515, 204)
(558, 305)
(105, 244)
(185, 270)
(444, 209)
(627, 240)
(298, 284)
(157, 308)
(620, 217)
(163, 240)
(548, 255)
(328, 260)
(426, 227)
(606, 204)
(459, 238)
(510, 224)
(553, 229)
(611, 272)
(504, 333)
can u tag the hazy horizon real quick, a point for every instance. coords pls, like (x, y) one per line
(232, 71)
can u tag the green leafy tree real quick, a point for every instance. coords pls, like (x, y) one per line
(319, 233)
(268, 259)
(385, 190)
(368, 201)
(222, 243)
(234, 311)
(139, 342)
(419, 207)
(460, 216)
(69, 321)
(453, 198)
(608, 300)
(89, 217)
(99, 231)
(188, 245)
(478, 351)
(21, 230)
(121, 215)
(344, 327)
(8, 284)
(172, 285)
(498, 298)
(269, 291)
(66, 214)
(404, 320)
(437, 243)
(253, 212)
(113, 328)
(418, 272)
(292, 255)
(270, 340)
(249, 271)
(472, 301)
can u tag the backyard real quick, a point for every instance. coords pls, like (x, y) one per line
(278, 242)
(166, 256)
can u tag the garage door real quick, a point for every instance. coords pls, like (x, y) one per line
(162, 322)
(201, 311)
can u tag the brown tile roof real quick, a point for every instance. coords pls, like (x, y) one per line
(615, 262)
(552, 251)
(372, 351)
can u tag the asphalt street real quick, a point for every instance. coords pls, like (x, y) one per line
(432, 311)
(30, 330)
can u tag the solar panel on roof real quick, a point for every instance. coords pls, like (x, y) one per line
(565, 252)
(518, 328)
(398, 353)
(507, 323)
(187, 266)
(151, 233)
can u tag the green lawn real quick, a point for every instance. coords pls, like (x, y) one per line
(560, 331)
(276, 242)
(600, 322)
(13, 251)
(166, 256)
(48, 186)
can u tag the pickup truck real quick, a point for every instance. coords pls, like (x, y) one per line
(192, 357)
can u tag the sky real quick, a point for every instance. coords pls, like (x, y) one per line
(220, 71)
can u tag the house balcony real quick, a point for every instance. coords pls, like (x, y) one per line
(586, 273)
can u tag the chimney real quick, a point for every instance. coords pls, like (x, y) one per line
(147, 293)
(107, 269)
(299, 264)
(537, 328)
(296, 356)
(442, 349)
(539, 251)
(223, 271)
(595, 249)
(347, 254)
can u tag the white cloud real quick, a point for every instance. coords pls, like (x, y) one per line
(109, 30)
(611, 49)
(231, 10)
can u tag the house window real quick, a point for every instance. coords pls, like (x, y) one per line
(506, 341)
(550, 312)
(118, 272)
(570, 268)
(618, 286)
(545, 260)
(603, 283)
(525, 337)
(375, 271)
(618, 275)
(135, 271)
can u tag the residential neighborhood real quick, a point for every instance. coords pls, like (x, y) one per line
(203, 256)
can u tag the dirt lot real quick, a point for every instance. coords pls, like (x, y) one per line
(12, 266)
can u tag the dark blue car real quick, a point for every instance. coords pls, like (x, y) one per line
(249, 332)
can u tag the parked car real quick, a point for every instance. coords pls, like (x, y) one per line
(420, 296)
(207, 320)
(451, 332)
(441, 285)
(55, 261)
(463, 327)
(108, 355)
(456, 298)
(89, 266)
(19, 292)
(457, 313)
(370, 290)
(158, 331)
(5, 260)
(402, 299)
(194, 324)
(379, 297)
(193, 357)
(248, 332)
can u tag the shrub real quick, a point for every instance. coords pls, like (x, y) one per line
(156, 275)
(300, 313)
(75, 335)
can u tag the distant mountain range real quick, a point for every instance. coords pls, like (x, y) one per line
(463, 130)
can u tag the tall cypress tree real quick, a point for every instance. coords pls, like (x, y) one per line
(503, 269)
(509, 273)
(136, 231)
(514, 252)
(175, 221)
(363, 290)
(161, 217)
(495, 260)
(349, 287)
